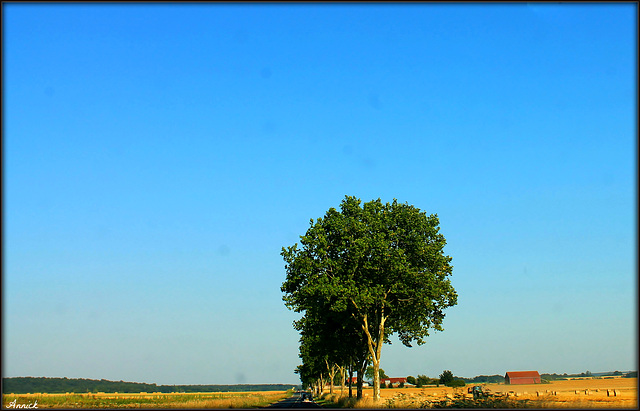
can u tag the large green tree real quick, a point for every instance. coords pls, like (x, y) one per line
(446, 377)
(382, 265)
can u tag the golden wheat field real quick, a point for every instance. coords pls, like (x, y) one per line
(252, 399)
(579, 393)
(583, 393)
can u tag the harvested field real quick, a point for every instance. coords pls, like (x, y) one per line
(584, 393)
(252, 399)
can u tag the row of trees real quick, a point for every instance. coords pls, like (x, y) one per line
(362, 274)
(422, 380)
(24, 385)
(446, 378)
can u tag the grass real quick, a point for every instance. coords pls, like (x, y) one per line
(342, 401)
(336, 401)
(146, 400)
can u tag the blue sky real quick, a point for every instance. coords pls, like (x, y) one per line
(157, 157)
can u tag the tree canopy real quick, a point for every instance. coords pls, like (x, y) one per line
(376, 268)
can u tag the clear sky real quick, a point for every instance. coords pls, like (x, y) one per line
(157, 157)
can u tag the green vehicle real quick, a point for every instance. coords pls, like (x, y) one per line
(477, 392)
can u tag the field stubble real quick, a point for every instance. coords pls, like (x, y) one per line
(620, 393)
(252, 399)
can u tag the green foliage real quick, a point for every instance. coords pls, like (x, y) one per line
(411, 380)
(423, 380)
(373, 257)
(489, 379)
(456, 383)
(446, 377)
(374, 268)
(449, 380)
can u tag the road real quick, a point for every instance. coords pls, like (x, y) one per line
(296, 401)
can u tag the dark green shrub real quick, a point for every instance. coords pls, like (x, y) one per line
(456, 383)
(446, 377)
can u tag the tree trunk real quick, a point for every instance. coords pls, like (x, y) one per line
(361, 371)
(332, 374)
(351, 379)
(334, 371)
(376, 379)
(375, 349)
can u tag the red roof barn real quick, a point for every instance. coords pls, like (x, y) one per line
(354, 380)
(522, 377)
(394, 381)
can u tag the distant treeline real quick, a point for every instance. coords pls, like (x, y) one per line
(492, 379)
(24, 385)
(553, 377)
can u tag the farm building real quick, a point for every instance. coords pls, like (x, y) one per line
(522, 377)
(354, 381)
(394, 381)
